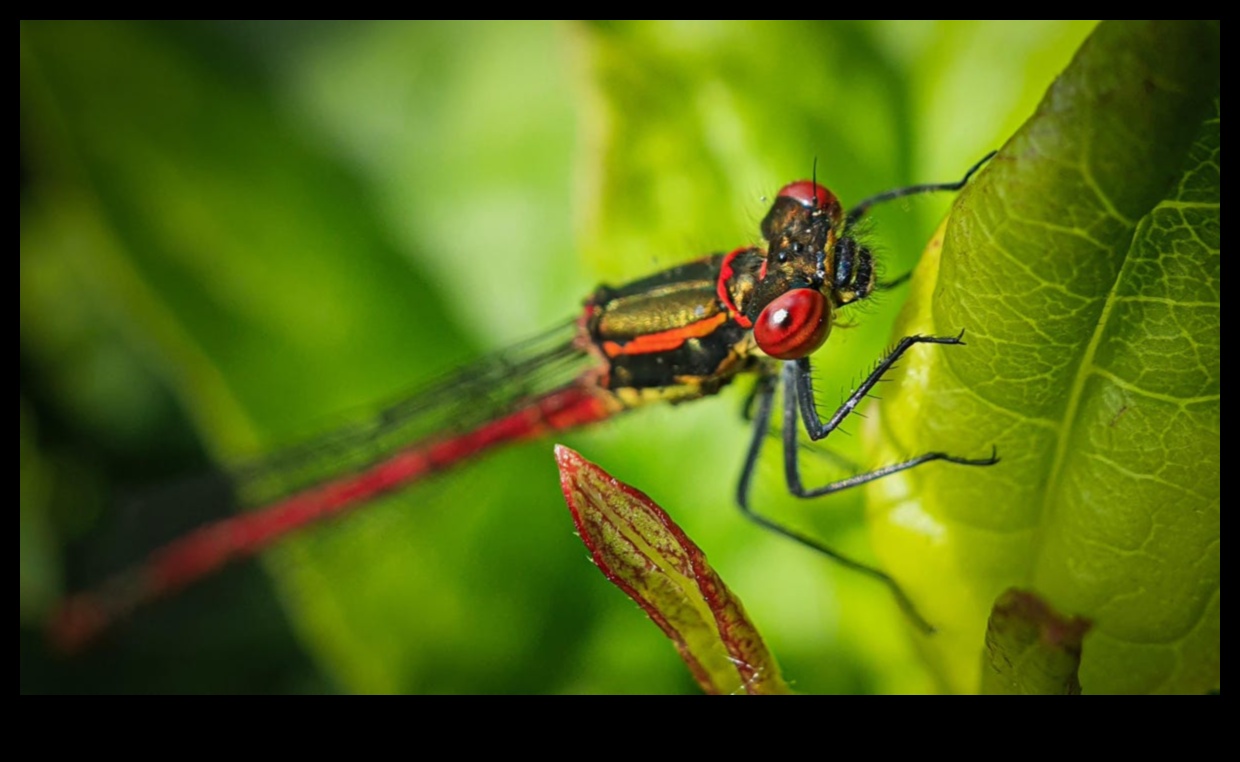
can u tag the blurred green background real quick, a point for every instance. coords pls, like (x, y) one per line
(233, 235)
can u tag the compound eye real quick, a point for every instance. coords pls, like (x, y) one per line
(794, 325)
(808, 194)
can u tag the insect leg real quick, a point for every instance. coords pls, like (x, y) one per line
(799, 403)
(797, 378)
(858, 211)
(765, 396)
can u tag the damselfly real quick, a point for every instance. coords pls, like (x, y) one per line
(675, 336)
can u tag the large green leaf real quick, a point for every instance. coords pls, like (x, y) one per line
(1084, 266)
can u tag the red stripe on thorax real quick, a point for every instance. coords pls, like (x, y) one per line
(721, 288)
(665, 340)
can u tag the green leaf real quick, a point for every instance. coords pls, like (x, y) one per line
(1083, 264)
(639, 548)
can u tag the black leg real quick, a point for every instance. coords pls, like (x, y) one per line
(763, 396)
(799, 403)
(896, 282)
(858, 211)
(761, 423)
(751, 397)
(797, 375)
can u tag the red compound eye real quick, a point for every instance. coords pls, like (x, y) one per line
(808, 194)
(794, 325)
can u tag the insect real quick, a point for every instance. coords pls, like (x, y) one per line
(675, 336)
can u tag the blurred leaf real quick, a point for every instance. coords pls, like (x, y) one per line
(205, 219)
(640, 550)
(1031, 649)
(1083, 264)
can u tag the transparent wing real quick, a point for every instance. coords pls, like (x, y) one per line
(465, 398)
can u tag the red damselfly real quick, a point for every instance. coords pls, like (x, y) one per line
(676, 336)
